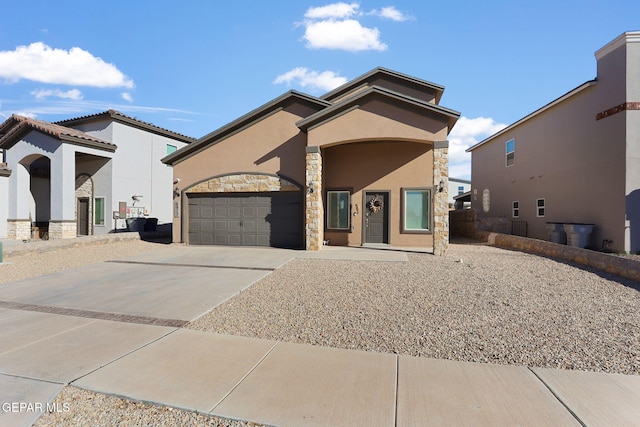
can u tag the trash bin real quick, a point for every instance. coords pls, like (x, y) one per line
(556, 233)
(135, 224)
(578, 234)
(151, 224)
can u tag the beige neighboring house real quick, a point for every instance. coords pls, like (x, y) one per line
(366, 163)
(575, 160)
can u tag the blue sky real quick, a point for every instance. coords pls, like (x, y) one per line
(193, 66)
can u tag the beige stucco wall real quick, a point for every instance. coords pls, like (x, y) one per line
(273, 145)
(377, 120)
(378, 166)
(564, 156)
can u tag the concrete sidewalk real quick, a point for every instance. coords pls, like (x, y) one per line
(115, 334)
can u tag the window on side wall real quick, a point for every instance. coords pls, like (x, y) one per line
(98, 211)
(515, 209)
(540, 207)
(171, 149)
(416, 210)
(338, 207)
(511, 152)
(460, 190)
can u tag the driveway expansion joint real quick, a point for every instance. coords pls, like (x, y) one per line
(126, 318)
(573, 414)
(171, 264)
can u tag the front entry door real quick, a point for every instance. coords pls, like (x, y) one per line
(83, 217)
(376, 217)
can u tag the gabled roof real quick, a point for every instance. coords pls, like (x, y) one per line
(15, 127)
(243, 122)
(127, 120)
(352, 102)
(369, 76)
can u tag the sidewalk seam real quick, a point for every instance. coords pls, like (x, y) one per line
(395, 412)
(243, 378)
(557, 397)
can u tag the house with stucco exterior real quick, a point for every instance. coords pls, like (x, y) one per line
(70, 178)
(575, 160)
(365, 164)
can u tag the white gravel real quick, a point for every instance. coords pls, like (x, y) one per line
(478, 304)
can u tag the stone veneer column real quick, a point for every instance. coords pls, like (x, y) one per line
(19, 229)
(441, 199)
(62, 229)
(314, 232)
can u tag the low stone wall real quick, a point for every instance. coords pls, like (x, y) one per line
(624, 267)
(19, 247)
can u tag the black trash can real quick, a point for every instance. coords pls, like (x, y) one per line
(136, 224)
(151, 224)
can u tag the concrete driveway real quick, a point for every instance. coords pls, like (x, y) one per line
(57, 328)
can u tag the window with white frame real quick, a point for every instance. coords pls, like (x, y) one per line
(510, 152)
(338, 207)
(98, 211)
(515, 209)
(416, 210)
(540, 207)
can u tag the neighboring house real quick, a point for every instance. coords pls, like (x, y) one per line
(575, 160)
(67, 178)
(458, 187)
(366, 163)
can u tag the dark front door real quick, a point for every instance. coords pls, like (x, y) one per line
(376, 217)
(83, 217)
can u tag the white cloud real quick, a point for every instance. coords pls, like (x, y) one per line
(347, 34)
(74, 94)
(391, 13)
(466, 133)
(335, 26)
(333, 11)
(40, 63)
(127, 96)
(302, 76)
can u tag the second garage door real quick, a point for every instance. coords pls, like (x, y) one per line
(246, 219)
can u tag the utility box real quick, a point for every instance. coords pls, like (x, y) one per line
(578, 234)
(556, 233)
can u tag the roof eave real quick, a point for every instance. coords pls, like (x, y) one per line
(537, 112)
(338, 108)
(240, 123)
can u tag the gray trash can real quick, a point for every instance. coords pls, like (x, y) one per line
(556, 233)
(578, 234)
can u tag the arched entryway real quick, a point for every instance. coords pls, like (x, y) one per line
(37, 171)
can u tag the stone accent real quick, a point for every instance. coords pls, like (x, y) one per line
(314, 214)
(623, 267)
(440, 198)
(84, 188)
(244, 183)
(618, 109)
(19, 229)
(62, 229)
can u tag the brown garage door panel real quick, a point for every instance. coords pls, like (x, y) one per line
(246, 219)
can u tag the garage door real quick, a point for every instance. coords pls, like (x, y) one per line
(246, 219)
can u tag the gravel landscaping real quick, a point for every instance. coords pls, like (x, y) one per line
(477, 304)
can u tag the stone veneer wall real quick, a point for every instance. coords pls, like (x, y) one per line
(243, 183)
(440, 199)
(19, 229)
(62, 229)
(613, 264)
(314, 214)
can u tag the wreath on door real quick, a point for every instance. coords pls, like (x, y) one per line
(375, 204)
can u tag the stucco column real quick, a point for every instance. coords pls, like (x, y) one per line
(440, 198)
(62, 224)
(314, 214)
